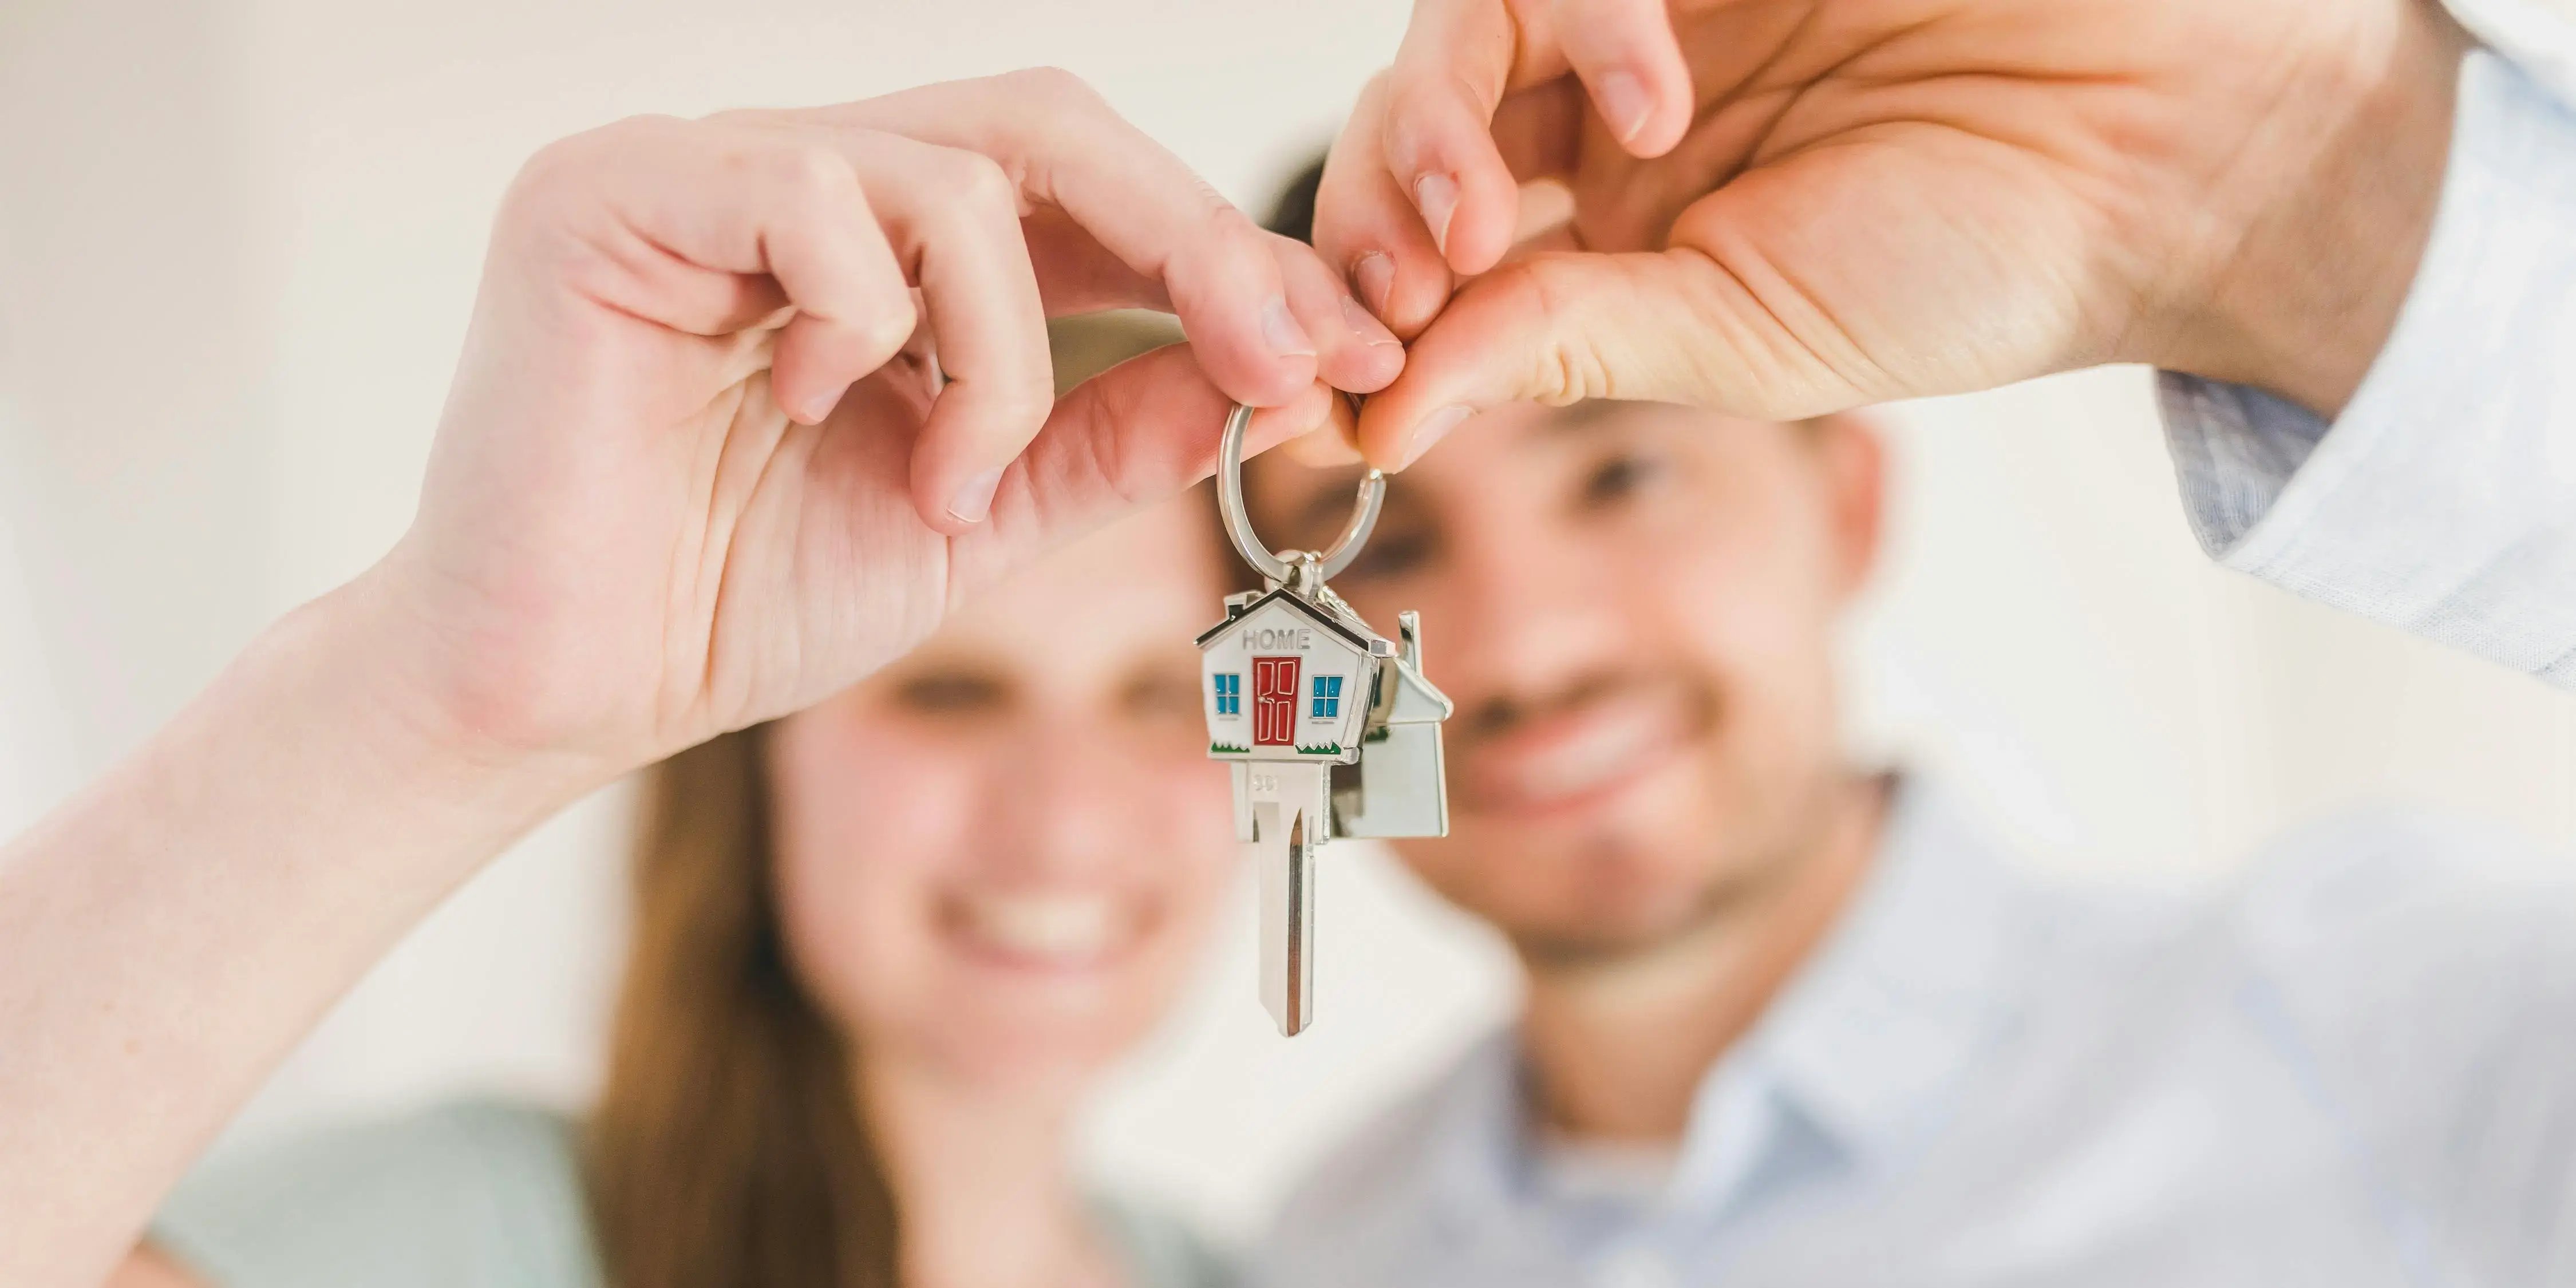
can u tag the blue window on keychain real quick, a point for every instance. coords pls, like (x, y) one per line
(1229, 694)
(1328, 697)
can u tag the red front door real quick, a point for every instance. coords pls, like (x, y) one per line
(1274, 701)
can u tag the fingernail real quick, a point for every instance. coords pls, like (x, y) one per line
(1624, 104)
(974, 498)
(818, 407)
(1365, 325)
(1374, 275)
(1437, 197)
(1287, 339)
(1433, 428)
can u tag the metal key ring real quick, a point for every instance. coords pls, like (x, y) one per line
(1238, 524)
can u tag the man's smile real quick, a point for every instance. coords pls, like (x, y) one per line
(1578, 756)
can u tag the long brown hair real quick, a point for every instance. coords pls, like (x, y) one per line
(726, 1150)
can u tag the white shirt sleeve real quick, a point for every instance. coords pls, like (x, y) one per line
(2443, 500)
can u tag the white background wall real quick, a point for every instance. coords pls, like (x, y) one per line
(237, 245)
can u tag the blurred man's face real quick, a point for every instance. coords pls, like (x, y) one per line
(1634, 607)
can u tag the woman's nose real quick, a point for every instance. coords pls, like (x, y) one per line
(1062, 792)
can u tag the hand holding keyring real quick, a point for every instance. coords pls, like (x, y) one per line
(1782, 208)
(678, 452)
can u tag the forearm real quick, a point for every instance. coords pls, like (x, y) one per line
(2438, 499)
(169, 934)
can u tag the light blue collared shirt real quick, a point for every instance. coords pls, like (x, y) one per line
(2355, 1068)
(2443, 499)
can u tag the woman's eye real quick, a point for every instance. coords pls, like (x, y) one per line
(1161, 697)
(950, 693)
(1619, 478)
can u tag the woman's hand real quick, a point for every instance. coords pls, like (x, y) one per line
(1786, 207)
(693, 473)
(699, 467)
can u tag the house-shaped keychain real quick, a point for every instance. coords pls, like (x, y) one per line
(1289, 679)
(1329, 729)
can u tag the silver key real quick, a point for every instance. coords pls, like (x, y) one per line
(1330, 729)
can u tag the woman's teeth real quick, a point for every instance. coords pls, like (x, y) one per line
(1059, 927)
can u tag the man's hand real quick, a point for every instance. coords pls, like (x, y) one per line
(1786, 207)
(748, 404)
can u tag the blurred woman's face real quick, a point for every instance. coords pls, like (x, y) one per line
(1000, 853)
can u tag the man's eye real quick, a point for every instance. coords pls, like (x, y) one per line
(1391, 554)
(1618, 478)
(950, 693)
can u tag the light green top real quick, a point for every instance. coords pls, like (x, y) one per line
(469, 1195)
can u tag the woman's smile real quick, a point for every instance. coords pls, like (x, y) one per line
(1058, 931)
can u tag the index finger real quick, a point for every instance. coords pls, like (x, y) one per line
(1067, 149)
(1435, 124)
(1366, 226)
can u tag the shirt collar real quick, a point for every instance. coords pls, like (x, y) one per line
(1920, 973)
(1478, 1143)
(1923, 972)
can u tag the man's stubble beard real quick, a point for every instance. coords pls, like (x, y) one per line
(1736, 887)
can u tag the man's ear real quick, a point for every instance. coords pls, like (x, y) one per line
(1854, 456)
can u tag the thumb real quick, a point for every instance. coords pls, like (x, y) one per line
(1665, 326)
(1136, 434)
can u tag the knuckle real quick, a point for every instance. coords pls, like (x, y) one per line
(1369, 109)
(1407, 94)
(974, 179)
(954, 179)
(545, 172)
(1458, 86)
(558, 185)
(1055, 88)
(1225, 233)
(752, 118)
(1422, 102)
(1567, 367)
(811, 176)
(1085, 450)
(1228, 231)
(568, 164)
(1204, 264)
(889, 326)
(1028, 401)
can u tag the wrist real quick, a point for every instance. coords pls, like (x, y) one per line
(358, 670)
(2308, 295)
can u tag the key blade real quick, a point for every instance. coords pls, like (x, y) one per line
(1287, 929)
(1290, 835)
